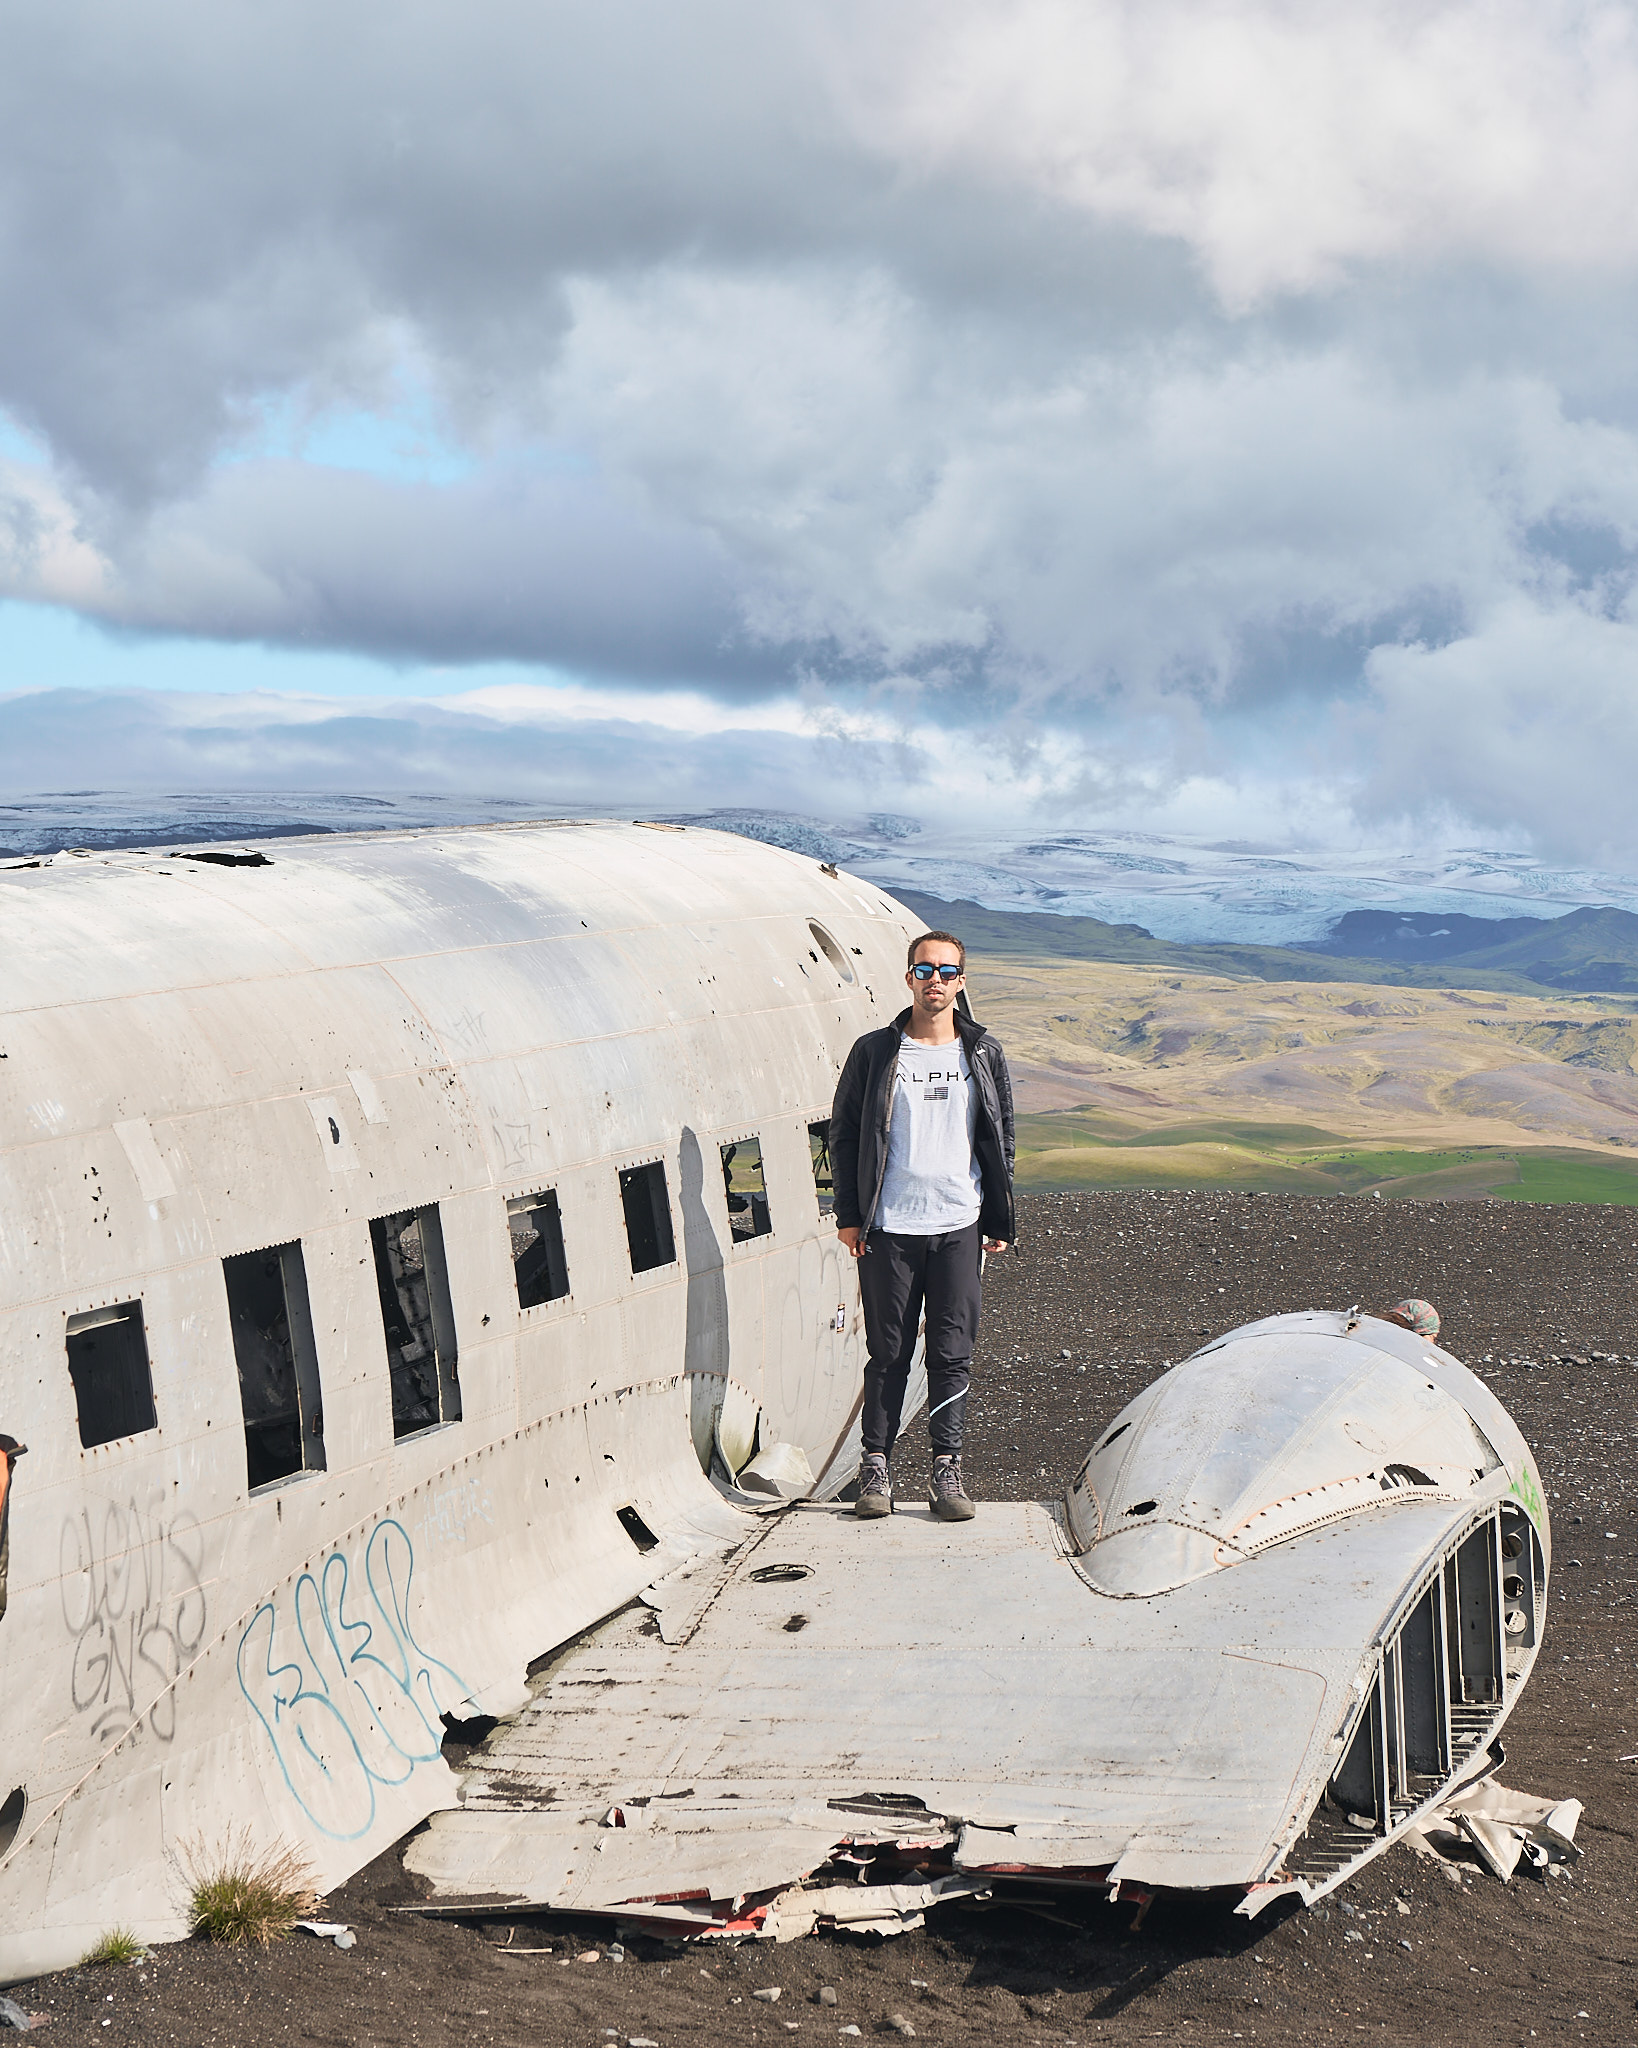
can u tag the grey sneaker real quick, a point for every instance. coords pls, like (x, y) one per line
(946, 1496)
(875, 1487)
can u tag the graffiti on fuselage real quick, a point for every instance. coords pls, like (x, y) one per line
(346, 1695)
(133, 1600)
(452, 1512)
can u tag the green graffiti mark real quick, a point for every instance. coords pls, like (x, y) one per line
(1526, 1491)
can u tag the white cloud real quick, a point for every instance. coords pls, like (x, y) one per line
(1528, 725)
(1284, 143)
(1099, 404)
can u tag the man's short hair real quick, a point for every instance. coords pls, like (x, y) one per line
(947, 938)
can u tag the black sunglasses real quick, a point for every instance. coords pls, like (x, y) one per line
(924, 970)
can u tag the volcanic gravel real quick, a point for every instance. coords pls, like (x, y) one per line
(1540, 1301)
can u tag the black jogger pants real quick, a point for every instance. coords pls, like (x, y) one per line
(898, 1277)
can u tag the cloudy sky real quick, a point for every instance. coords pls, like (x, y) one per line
(1220, 415)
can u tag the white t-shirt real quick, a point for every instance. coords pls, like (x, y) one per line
(932, 1183)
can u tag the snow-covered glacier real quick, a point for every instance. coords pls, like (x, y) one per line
(1182, 888)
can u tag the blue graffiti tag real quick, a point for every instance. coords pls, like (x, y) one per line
(361, 1706)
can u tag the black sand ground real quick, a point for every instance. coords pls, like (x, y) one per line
(1122, 1283)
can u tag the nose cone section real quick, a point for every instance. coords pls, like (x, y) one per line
(1275, 1430)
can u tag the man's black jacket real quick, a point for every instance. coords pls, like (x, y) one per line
(862, 1111)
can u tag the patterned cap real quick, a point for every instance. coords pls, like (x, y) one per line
(1415, 1314)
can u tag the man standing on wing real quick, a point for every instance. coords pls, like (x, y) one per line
(921, 1148)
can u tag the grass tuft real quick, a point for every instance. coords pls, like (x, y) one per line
(241, 1894)
(118, 1945)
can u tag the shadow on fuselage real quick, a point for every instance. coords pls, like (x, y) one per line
(706, 1345)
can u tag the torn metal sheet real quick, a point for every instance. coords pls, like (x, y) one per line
(1315, 1620)
(781, 1469)
(862, 1908)
(1504, 1829)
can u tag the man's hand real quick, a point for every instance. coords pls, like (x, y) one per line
(854, 1238)
(995, 1245)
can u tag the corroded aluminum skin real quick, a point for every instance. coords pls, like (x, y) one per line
(480, 1014)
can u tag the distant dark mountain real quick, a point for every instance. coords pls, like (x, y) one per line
(1594, 952)
(1591, 950)
(1420, 934)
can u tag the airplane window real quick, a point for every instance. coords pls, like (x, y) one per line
(747, 1188)
(413, 1281)
(278, 1363)
(537, 1248)
(819, 1155)
(832, 952)
(108, 1363)
(648, 1216)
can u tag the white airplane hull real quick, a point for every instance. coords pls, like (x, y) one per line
(202, 1061)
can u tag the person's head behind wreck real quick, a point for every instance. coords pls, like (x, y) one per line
(1416, 1315)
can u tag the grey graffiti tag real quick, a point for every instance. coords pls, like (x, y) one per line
(133, 1601)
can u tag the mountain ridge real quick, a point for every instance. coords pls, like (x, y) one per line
(1589, 951)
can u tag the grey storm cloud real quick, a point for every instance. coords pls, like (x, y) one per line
(531, 568)
(1245, 376)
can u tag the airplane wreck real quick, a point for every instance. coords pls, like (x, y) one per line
(415, 1258)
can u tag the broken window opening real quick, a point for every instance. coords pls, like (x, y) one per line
(832, 952)
(747, 1188)
(638, 1530)
(538, 1263)
(824, 1183)
(277, 1356)
(113, 1384)
(648, 1216)
(413, 1281)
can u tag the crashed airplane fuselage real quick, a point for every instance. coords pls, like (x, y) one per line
(390, 1230)
(399, 1235)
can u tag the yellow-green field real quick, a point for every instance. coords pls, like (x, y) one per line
(1126, 1077)
(1070, 1149)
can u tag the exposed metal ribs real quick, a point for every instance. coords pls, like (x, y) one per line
(1444, 1680)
